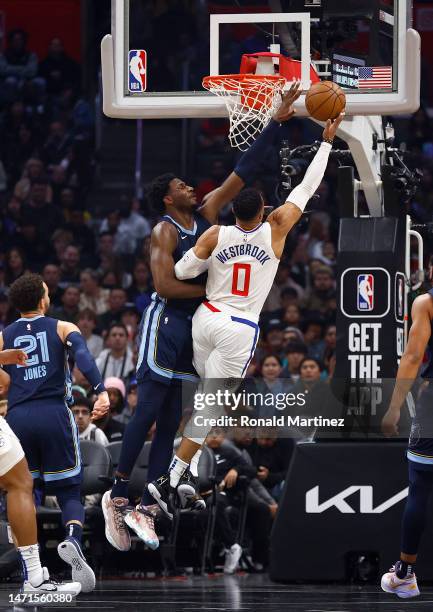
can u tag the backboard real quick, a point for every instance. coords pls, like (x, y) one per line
(154, 59)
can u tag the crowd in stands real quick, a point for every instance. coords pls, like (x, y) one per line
(98, 270)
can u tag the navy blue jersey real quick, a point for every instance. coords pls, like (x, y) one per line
(46, 373)
(427, 370)
(186, 239)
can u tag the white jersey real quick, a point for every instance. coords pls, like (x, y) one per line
(242, 268)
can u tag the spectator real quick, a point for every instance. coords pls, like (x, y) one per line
(15, 265)
(70, 266)
(117, 359)
(116, 306)
(40, 212)
(292, 315)
(116, 392)
(69, 310)
(17, 63)
(82, 234)
(140, 289)
(230, 465)
(87, 323)
(131, 229)
(313, 330)
(33, 171)
(92, 295)
(131, 319)
(295, 353)
(131, 403)
(270, 384)
(86, 429)
(6, 315)
(282, 281)
(58, 69)
(330, 343)
(321, 297)
(271, 457)
(51, 277)
(273, 340)
(293, 334)
(81, 381)
(57, 146)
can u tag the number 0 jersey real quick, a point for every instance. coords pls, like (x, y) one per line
(242, 268)
(46, 373)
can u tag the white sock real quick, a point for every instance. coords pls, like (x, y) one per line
(177, 468)
(194, 463)
(32, 564)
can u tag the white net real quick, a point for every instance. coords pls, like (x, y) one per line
(250, 100)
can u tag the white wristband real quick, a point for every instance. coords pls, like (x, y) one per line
(312, 179)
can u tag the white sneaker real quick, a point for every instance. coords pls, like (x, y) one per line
(141, 520)
(402, 587)
(70, 551)
(51, 586)
(233, 554)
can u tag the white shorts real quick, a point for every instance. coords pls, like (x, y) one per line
(223, 341)
(11, 451)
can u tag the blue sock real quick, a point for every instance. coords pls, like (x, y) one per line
(73, 530)
(120, 487)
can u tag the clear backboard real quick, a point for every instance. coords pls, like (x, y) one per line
(155, 58)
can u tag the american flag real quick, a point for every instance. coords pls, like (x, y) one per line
(375, 77)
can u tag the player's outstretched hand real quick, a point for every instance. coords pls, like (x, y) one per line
(286, 110)
(390, 423)
(13, 357)
(331, 127)
(101, 406)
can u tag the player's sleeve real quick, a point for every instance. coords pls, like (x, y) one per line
(190, 266)
(312, 179)
(77, 346)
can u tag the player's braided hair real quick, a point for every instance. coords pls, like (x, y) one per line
(157, 190)
(26, 292)
(247, 204)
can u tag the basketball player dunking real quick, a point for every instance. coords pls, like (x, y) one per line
(401, 579)
(165, 352)
(241, 261)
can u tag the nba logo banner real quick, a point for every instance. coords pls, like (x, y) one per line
(365, 286)
(137, 68)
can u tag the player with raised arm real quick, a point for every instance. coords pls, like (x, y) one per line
(38, 413)
(241, 261)
(165, 351)
(401, 579)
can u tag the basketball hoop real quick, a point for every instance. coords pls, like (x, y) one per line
(250, 99)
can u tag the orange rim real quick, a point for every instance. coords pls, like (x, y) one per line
(221, 79)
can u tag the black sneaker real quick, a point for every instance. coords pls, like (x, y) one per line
(187, 490)
(164, 494)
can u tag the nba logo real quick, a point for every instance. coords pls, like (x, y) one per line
(365, 292)
(137, 66)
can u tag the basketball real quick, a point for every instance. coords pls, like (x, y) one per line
(325, 100)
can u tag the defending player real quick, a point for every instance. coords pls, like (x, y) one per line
(38, 413)
(401, 579)
(165, 353)
(241, 261)
(16, 480)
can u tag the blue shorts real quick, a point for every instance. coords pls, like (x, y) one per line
(165, 351)
(49, 437)
(420, 448)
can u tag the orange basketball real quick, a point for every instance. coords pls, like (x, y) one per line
(325, 100)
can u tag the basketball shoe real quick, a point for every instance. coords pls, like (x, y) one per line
(50, 586)
(187, 490)
(164, 494)
(115, 529)
(402, 587)
(70, 551)
(141, 520)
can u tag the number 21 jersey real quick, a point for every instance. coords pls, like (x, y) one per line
(242, 268)
(46, 374)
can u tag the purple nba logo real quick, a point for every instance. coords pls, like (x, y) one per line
(365, 292)
(137, 68)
